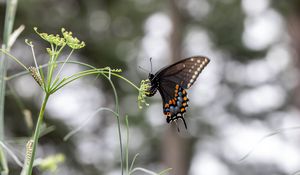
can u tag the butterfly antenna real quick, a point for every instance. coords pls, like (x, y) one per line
(151, 63)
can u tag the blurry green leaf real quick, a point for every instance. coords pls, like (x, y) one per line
(50, 163)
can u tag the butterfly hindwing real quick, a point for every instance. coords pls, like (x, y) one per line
(174, 100)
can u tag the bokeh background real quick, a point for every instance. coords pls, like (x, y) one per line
(249, 89)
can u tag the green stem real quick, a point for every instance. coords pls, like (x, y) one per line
(125, 79)
(67, 81)
(73, 132)
(61, 68)
(132, 163)
(117, 111)
(14, 58)
(127, 143)
(8, 26)
(51, 66)
(118, 121)
(51, 69)
(34, 58)
(9, 19)
(88, 72)
(4, 168)
(37, 133)
(79, 63)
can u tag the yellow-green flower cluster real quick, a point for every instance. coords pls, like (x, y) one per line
(113, 70)
(143, 91)
(71, 41)
(53, 39)
(57, 40)
(52, 52)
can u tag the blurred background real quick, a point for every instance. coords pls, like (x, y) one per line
(249, 89)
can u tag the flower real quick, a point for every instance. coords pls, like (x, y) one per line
(143, 91)
(71, 41)
(52, 39)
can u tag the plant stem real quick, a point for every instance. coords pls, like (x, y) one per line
(127, 143)
(37, 133)
(9, 19)
(79, 63)
(8, 26)
(125, 79)
(61, 68)
(14, 58)
(118, 121)
(70, 134)
(4, 168)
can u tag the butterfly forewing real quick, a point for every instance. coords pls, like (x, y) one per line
(184, 72)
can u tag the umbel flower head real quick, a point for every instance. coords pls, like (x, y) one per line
(143, 91)
(71, 41)
(52, 39)
(67, 38)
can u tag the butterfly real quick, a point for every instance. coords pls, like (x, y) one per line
(172, 82)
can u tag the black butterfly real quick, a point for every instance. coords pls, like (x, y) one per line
(171, 82)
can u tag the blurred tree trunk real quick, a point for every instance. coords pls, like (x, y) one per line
(175, 147)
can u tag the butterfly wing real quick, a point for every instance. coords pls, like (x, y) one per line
(174, 99)
(173, 80)
(167, 90)
(184, 72)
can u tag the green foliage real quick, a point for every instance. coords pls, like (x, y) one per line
(8, 41)
(50, 163)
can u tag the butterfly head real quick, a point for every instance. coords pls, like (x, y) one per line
(153, 85)
(151, 76)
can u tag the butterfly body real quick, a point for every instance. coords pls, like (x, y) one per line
(172, 82)
(154, 85)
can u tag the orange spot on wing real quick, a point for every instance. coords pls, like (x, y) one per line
(173, 101)
(182, 109)
(185, 98)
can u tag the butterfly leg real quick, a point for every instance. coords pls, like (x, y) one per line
(183, 122)
(169, 119)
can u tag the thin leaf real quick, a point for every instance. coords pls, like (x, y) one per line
(74, 131)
